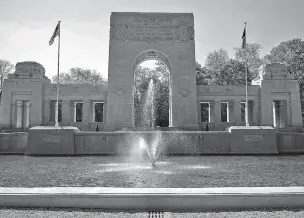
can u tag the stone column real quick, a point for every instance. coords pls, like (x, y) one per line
(288, 109)
(237, 112)
(66, 112)
(217, 113)
(255, 113)
(211, 108)
(19, 114)
(230, 111)
(86, 113)
(250, 111)
(26, 118)
(283, 113)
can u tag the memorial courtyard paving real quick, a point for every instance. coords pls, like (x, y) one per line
(170, 172)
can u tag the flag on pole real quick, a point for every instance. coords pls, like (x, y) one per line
(244, 37)
(56, 33)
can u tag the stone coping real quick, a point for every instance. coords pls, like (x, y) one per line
(149, 132)
(170, 199)
(154, 191)
(53, 127)
(249, 128)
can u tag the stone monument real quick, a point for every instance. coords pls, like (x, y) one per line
(167, 37)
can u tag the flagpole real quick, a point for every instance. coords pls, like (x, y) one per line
(57, 98)
(246, 106)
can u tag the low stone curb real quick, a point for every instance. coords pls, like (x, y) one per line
(173, 199)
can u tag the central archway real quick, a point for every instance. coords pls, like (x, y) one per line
(161, 84)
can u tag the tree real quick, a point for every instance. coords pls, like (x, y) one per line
(216, 59)
(252, 54)
(291, 53)
(203, 76)
(233, 73)
(5, 68)
(80, 76)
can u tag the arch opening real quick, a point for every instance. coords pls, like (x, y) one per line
(152, 94)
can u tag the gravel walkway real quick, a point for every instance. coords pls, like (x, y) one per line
(77, 213)
(174, 172)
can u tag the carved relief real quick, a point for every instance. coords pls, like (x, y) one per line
(151, 55)
(184, 92)
(184, 33)
(119, 32)
(120, 91)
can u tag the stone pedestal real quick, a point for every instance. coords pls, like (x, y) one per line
(253, 139)
(51, 140)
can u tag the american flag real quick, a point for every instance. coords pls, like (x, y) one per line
(56, 33)
(244, 38)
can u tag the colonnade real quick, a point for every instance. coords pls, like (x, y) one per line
(23, 114)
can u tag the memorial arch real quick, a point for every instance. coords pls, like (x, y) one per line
(168, 37)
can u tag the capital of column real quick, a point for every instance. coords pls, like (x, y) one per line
(28, 104)
(19, 103)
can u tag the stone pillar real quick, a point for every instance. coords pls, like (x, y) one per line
(296, 114)
(283, 113)
(230, 111)
(237, 112)
(19, 114)
(217, 113)
(250, 111)
(211, 108)
(26, 117)
(66, 112)
(255, 112)
(86, 113)
(46, 112)
(288, 109)
(276, 113)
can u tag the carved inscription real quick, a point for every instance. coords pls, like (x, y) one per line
(50, 138)
(152, 29)
(253, 138)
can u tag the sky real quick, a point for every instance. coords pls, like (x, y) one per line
(27, 26)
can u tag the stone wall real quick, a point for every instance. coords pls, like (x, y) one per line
(13, 143)
(290, 142)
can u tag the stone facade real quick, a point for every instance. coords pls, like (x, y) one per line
(28, 96)
(274, 100)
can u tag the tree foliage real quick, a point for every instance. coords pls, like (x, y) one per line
(233, 73)
(251, 54)
(203, 75)
(80, 76)
(216, 59)
(290, 53)
(5, 68)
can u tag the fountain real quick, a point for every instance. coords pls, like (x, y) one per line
(148, 109)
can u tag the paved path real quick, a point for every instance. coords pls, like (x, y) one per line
(81, 213)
